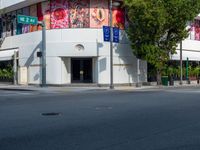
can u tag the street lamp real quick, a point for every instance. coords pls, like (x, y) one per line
(115, 4)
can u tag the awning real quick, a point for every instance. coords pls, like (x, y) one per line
(191, 55)
(7, 55)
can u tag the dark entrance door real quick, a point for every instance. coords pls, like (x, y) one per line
(81, 70)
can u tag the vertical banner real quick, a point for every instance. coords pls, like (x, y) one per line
(118, 18)
(19, 26)
(79, 13)
(98, 13)
(33, 12)
(59, 14)
(197, 30)
(106, 33)
(25, 27)
(116, 35)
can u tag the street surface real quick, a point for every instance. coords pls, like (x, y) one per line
(166, 119)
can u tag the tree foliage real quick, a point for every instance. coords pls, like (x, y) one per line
(157, 26)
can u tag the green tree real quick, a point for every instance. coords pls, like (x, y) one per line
(157, 26)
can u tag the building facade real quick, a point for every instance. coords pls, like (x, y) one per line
(76, 51)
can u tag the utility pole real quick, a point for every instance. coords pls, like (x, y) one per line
(181, 63)
(111, 47)
(15, 68)
(43, 58)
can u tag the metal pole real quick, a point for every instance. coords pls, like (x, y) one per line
(111, 47)
(15, 68)
(43, 54)
(181, 64)
(138, 73)
(187, 70)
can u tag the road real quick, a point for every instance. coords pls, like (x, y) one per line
(167, 119)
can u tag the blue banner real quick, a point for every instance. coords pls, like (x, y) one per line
(116, 35)
(106, 33)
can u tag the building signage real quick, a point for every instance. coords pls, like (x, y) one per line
(116, 35)
(27, 20)
(106, 33)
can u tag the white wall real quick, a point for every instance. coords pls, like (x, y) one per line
(190, 49)
(61, 45)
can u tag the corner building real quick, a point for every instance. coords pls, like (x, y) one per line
(76, 51)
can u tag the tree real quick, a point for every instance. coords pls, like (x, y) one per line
(157, 26)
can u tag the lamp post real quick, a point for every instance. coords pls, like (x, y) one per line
(115, 4)
(181, 64)
(111, 47)
(43, 58)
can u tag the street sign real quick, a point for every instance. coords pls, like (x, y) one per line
(106, 33)
(116, 35)
(27, 20)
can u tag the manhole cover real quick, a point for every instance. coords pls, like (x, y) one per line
(51, 114)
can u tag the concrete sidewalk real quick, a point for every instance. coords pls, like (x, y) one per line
(88, 88)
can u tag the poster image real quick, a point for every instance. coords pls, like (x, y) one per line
(197, 29)
(118, 18)
(98, 13)
(79, 13)
(43, 13)
(197, 33)
(33, 12)
(59, 14)
(25, 27)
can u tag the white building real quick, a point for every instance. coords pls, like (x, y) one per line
(76, 51)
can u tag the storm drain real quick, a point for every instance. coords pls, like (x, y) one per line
(51, 114)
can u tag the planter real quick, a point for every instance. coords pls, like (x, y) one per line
(164, 80)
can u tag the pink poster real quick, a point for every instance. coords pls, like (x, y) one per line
(59, 14)
(197, 30)
(118, 18)
(98, 13)
(26, 27)
(33, 12)
(79, 13)
(43, 13)
(197, 33)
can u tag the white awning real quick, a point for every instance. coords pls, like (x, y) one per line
(191, 55)
(7, 55)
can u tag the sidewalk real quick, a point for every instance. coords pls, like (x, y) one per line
(91, 88)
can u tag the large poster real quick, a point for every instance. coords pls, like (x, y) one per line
(33, 12)
(43, 13)
(79, 13)
(59, 14)
(118, 18)
(197, 29)
(25, 27)
(98, 13)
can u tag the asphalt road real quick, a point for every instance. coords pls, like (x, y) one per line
(105, 120)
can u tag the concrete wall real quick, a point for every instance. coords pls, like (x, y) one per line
(61, 46)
